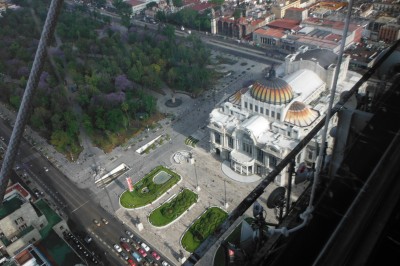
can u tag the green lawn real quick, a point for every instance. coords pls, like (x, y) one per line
(146, 191)
(171, 210)
(202, 228)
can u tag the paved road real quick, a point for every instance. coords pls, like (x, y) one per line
(72, 202)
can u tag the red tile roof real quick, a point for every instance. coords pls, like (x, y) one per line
(202, 6)
(277, 33)
(188, 2)
(333, 37)
(134, 2)
(257, 21)
(287, 24)
(19, 188)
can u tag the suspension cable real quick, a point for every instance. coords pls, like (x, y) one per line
(25, 107)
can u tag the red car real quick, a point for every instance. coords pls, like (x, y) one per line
(142, 252)
(155, 255)
(131, 262)
(125, 246)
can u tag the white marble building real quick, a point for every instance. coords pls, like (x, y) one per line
(261, 124)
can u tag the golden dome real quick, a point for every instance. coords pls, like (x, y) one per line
(274, 91)
(300, 115)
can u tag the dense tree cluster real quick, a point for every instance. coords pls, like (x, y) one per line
(189, 18)
(97, 76)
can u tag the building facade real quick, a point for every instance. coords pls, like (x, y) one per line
(279, 9)
(259, 125)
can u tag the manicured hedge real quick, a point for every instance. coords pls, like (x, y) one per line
(171, 210)
(202, 228)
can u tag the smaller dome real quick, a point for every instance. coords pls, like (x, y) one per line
(300, 115)
(235, 98)
(274, 91)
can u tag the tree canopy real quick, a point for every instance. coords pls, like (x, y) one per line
(98, 75)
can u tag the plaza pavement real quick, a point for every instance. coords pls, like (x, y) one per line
(213, 176)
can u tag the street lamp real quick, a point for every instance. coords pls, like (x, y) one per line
(195, 172)
(226, 203)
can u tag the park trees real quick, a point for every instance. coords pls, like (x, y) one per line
(98, 77)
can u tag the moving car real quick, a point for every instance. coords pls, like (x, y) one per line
(117, 248)
(96, 222)
(88, 239)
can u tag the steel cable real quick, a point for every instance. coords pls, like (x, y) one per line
(31, 86)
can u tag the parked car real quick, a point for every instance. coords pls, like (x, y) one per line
(145, 247)
(123, 239)
(135, 245)
(125, 246)
(136, 256)
(155, 255)
(124, 255)
(142, 252)
(131, 262)
(164, 263)
(117, 248)
(136, 239)
(150, 261)
(129, 233)
(104, 220)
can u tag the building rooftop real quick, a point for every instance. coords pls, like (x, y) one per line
(324, 57)
(202, 6)
(10, 205)
(304, 82)
(276, 33)
(287, 24)
(332, 5)
(338, 25)
(135, 2)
